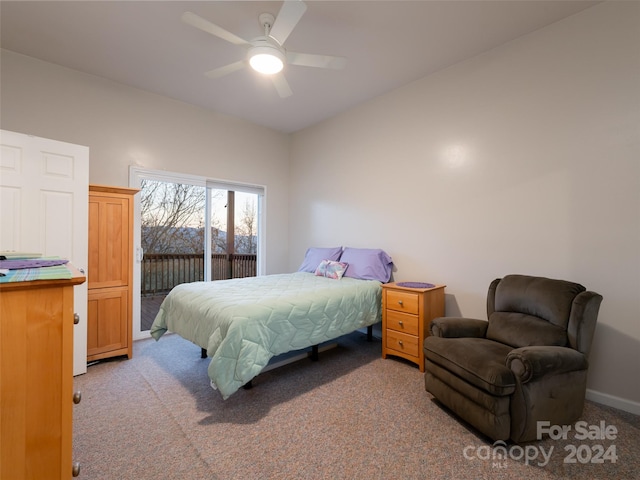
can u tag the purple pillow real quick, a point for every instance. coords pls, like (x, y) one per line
(367, 264)
(314, 256)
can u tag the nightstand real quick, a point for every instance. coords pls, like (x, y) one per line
(406, 314)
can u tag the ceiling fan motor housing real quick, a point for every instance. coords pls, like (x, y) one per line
(266, 56)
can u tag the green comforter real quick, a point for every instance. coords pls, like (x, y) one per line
(244, 322)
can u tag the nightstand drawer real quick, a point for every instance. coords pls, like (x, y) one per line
(407, 344)
(406, 302)
(402, 322)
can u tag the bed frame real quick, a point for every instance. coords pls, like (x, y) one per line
(313, 355)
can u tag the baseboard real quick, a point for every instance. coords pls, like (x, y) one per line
(613, 401)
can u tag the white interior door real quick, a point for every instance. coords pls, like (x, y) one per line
(44, 209)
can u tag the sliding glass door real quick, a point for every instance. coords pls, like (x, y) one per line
(190, 229)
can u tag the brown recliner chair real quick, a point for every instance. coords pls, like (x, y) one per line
(527, 364)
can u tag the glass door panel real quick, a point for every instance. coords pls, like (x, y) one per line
(172, 239)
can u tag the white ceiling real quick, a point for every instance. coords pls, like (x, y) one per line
(388, 44)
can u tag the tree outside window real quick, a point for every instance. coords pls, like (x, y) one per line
(172, 219)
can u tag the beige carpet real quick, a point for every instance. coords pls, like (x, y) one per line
(351, 415)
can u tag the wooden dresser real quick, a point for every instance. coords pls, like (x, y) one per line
(36, 379)
(406, 314)
(110, 272)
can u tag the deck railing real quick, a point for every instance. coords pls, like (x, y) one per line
(161, 272)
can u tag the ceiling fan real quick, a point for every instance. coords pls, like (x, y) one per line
(266, 53)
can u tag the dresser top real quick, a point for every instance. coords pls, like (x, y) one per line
(77, 278)
(395, 286)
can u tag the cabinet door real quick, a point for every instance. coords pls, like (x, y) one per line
(108, 325)
(109, 247)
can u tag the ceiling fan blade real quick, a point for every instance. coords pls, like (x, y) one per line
(319, 61)
(290, 14)
(227, 69)
(205, 25)
(281, 84)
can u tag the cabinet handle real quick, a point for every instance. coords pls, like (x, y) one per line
(75, 469)
(77, 396)
(76, 319)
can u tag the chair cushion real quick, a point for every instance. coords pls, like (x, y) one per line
(478, 361)
(521, 330)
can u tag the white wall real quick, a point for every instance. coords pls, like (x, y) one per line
(123, 126)
(523, 160)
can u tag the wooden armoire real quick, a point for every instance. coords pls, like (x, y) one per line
(110, 272)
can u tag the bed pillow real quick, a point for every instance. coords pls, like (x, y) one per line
(367, 264)
(331, 269)
(315, 255)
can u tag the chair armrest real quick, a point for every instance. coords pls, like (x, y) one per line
(530, 363)
(454, 327)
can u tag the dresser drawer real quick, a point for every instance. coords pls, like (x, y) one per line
(406, 302)
(402, 322)
(407, 344)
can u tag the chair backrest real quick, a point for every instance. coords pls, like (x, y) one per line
(525, 310)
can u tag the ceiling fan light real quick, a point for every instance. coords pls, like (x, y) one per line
(267, 60)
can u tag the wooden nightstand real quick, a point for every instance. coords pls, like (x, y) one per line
(406, 314)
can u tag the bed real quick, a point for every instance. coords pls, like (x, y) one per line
(242, 323)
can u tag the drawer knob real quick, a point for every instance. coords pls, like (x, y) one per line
(76, 319)
(77, 396)
(400, 302)
(400, 343)
(75, 470)
(400, 323)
